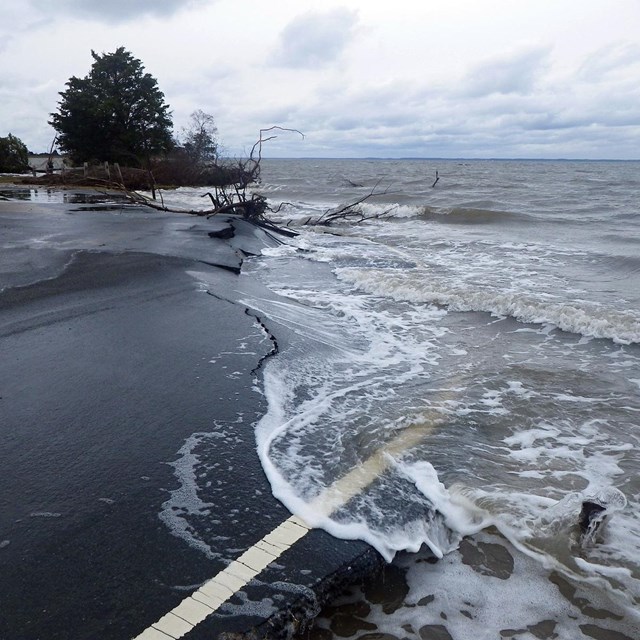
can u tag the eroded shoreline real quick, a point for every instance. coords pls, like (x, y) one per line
(114, 357)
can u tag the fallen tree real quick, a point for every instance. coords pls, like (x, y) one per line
(352, 212)
(231, 191)
(231, 196)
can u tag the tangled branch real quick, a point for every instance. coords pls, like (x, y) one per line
(255, 162)
(234, 197)
(230, 198)
(353, 212)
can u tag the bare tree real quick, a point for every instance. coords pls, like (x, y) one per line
(236, 197)
(200, 141)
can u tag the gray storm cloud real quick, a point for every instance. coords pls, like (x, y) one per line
(314, 39)
(516, 73)
(114, 10)
(355, 81)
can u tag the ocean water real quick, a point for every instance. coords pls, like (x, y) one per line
(464, 374)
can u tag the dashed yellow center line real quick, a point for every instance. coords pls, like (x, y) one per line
(215, 592)
(360, 477)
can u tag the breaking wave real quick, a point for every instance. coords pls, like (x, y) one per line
(589, 319)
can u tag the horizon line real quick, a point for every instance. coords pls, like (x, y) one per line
(467, 159)
(458, 158)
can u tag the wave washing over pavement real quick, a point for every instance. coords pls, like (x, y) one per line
(481, 346)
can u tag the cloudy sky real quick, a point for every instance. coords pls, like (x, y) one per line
(408, 78)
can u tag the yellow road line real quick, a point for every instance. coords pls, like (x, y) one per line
(210, 596)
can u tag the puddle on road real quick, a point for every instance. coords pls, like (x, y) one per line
(58, 196)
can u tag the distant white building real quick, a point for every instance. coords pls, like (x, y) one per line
(39, 163)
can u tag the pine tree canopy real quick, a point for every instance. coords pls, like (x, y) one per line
(116, 113)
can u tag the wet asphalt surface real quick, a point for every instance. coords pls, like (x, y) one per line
(110, 359)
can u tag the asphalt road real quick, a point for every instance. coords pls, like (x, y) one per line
(111, 358)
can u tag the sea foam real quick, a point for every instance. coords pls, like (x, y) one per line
(585, 318)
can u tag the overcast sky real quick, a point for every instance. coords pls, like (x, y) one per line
(402, 78)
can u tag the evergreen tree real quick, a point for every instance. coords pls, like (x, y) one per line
(117, 113)
(14, 156)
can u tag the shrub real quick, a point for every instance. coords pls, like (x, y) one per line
(14, 156)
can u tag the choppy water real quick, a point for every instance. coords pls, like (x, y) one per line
(475, 353)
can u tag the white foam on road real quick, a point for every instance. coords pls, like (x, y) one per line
(215, 592)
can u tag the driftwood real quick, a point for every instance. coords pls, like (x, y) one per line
(352, 212)
(235, 198)
(230, 198)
